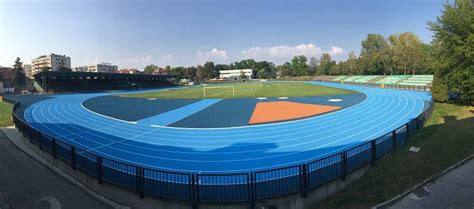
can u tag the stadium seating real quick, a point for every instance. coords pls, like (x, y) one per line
(392, 79)
(417, 80)
(366, 79)
(352, 78)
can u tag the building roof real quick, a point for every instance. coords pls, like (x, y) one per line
(6, 73)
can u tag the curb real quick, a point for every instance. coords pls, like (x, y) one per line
(58, 171)
(392, 201)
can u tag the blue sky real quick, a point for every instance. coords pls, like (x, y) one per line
(189, 32)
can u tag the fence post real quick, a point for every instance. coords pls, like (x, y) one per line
(39, 140)
(29, 133)
(373, 149)
(194, 198)
(394, 140)
(251, 184)
(140, 181)
(408, 129)
(73, 157)
(343, 165)
(304, 180)
(99, 169)
(55, 156)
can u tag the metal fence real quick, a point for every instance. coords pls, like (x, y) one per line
(223, 188)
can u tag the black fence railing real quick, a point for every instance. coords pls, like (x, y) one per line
(223, 188)
(378, 85)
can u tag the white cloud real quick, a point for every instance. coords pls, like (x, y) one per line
(336, 51)
(212, 55)
(284, 51)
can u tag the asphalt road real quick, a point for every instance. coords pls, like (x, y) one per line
(25, 183)
(454, 190)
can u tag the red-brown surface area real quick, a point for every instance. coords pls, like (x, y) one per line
(282, 110)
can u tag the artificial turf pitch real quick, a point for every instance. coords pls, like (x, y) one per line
(245, 90)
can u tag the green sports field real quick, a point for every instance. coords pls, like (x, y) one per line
(244, 90)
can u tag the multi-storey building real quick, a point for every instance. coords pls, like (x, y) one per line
(52, 61)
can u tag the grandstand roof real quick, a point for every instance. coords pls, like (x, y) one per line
(72, 75)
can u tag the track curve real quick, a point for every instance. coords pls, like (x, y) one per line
(226, 150)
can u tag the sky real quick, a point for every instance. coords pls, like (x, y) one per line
(136, 33)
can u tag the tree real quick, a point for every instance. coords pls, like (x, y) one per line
(351, 64)
(210, 70)
(454, 48)
(19, 77)
(150, 69)
(325, 64)
(284, 69)
(372, 47)
(299, 66)
(406, 52)
(313, 65)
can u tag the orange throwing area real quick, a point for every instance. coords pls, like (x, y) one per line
(283, 110)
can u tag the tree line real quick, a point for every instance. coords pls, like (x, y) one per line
(401, 53)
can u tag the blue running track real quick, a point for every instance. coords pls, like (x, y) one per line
(225, 150)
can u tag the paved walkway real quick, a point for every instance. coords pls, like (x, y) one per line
(454, 190)
(25, 183)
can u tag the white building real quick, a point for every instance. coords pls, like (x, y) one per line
(226, 74)
(52, 61)
(103, 68)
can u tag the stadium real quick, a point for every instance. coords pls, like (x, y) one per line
(239, 143)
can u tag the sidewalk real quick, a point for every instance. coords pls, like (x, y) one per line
(25, 183)
(452, 190)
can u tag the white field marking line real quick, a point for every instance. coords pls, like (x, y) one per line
(282, 97)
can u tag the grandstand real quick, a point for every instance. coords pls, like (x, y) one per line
(417, 80)
(366, 79)
(352, 78)
(53, 81)
(392, 79)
